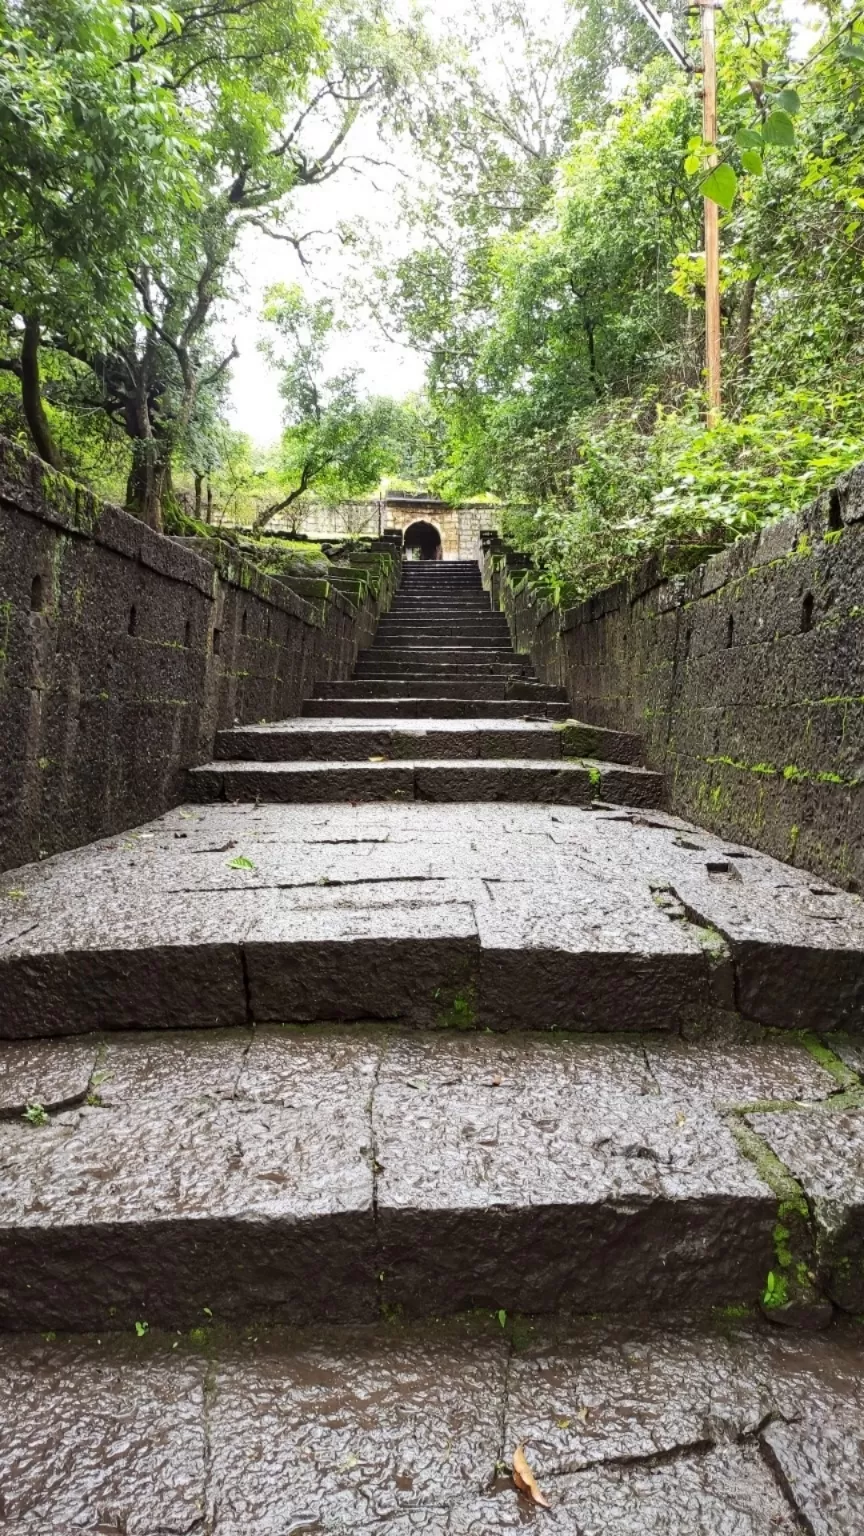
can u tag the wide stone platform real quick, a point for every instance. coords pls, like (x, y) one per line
(502, 916)
(707, 1426)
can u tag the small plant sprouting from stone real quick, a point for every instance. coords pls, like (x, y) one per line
(502, 1318)
(141, 1329)
(776, 1291)
(241, 863)
(36, 1114)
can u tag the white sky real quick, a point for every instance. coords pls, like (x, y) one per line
(254, 404)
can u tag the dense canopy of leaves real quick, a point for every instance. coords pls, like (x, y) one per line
(565, 346)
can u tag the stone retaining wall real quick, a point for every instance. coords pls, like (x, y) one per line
(122, 652)
(745, 677)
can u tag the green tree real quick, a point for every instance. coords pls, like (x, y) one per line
(83, 91)
(336, 439)
(565, 350)
(267, 92)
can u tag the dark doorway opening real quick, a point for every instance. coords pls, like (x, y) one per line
(423, 542)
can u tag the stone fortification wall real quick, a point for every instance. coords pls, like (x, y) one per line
(338, 522)
(745, 677)
(122, 652)
(459, 527)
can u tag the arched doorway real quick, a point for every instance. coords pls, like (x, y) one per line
(423, 541)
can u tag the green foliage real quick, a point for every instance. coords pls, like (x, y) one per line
(336, 439)
(152, 140)
(566, 349)
(94, 155)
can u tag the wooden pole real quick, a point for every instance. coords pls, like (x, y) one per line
(712, 219)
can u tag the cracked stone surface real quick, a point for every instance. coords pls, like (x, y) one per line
(315, 1173)
(211, 1174)
(372, 910)
(730, 1074)
(36, 1072)
(825, 1152)
(700, 1428)
(98, 1439)
(567, 1152)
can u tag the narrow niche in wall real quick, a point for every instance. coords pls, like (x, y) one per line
(187, 633)
(730, 631)
(217, 641)
(835, 511)
(807, 613)
(37, 600)
(244, 623)
(132, 626)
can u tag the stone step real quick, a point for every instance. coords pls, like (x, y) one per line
(510, 667)
(440, 588)
(426, 636)
(473, 688)
(310, 1175)
(446, 707)
(500, 916)
(631, 1427)
(423, 655)
(441, 630)
(420, 613)
(431, 642)
(411, 610)
(454, 599)
(346, 741)
(551, 781)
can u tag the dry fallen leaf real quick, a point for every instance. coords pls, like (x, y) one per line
(525, 1480)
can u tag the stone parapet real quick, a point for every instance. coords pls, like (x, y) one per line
(744, 677)
(123, 652)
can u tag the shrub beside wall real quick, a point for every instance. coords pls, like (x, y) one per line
(122, 652)
(745, 678)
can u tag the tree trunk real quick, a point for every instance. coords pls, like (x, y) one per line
(209, 518)
(199, 481)
(149, 480)
(31, 396)
(588, 326)
(743, 338)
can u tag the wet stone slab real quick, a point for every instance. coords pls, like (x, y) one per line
(100, 1439)
(545, 915)
(731, 1075)
(288, 1172)
(337, 1438)
(35, 1072)
(206, 1174)
(696, 1428)
(543, 1175)
(723, 1492)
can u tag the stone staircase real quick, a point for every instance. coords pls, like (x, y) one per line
(484, 729)
(329, 1127)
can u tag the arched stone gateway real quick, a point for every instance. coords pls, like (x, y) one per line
(423, 541)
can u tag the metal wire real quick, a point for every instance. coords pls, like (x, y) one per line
(669, 42)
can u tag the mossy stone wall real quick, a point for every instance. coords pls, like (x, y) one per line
(122, 652)
(745, 677)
